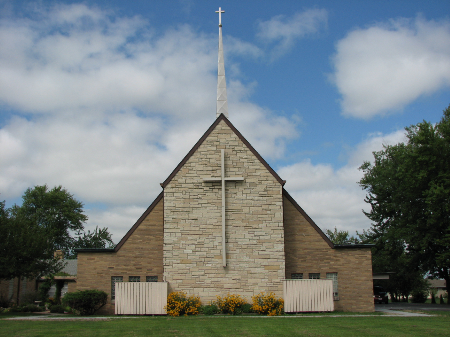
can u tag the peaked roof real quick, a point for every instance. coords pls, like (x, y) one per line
(311, 222)
(206, 134)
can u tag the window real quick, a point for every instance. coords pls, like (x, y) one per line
(334, 277)
(115, 279)
(314, 276)
(134, 279)
(151, 279)
(297, 276)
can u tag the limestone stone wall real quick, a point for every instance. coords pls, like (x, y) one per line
(193, 227)
(307, 252)
(140, 255)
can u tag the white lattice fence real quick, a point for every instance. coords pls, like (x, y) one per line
(308, 295)
(141, 298)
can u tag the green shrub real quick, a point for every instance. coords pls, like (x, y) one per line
(15, 308)
(231, 304)
(179, 304)
(418, 297)
(29, 297)
(5, 302)
(85, 302)
(211, 309)
(58, 309)
(247, 308)
(31, 308)
(267, 304)
(44, 288)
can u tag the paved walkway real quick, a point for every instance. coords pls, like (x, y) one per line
(389, 310)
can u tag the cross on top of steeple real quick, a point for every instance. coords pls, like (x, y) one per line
(220, 11)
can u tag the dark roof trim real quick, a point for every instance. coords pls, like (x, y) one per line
(369, 245)
(94, 250)
(125, 238)
(202, 139)
(313, 224)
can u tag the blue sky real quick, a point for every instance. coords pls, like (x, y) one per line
(106, 97)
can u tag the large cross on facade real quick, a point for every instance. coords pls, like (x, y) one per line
(223, 179)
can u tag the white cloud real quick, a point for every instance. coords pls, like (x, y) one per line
(286, 30)
(118, 219)
(332, 197)
(383, 68)
(106, 109)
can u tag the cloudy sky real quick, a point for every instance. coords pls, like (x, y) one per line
(106, 97)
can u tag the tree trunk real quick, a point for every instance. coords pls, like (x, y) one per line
(447, 286)
(18, 291)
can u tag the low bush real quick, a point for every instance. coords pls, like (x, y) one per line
(230, 304)
(267, 304)
(419, 297)
(56, 309)
(247, 308)
(211, 309)
(179, 304)
(85, 302)
(29, 297)
(31, 308)
(5, 301)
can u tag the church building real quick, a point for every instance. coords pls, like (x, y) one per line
(224, 224)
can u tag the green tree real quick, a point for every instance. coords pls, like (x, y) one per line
(99, 238)
(44, 223)
(55, 211)
(340, 237)
(408, 188)
(25, 250)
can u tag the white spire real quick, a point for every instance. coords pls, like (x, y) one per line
(222, 105)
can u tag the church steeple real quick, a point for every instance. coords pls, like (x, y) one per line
(222, 105)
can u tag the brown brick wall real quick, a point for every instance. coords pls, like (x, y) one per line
(307, 252)
(5, 288)
(140, 255)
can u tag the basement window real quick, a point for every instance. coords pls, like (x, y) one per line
(134, 279)
(314, 276)
(151, 279)
(297, 276)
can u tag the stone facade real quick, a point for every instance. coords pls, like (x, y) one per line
(193, 225)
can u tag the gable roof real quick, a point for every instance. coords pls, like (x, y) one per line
(139, 221)
(202, 139)
(306, 216)
(129, 233)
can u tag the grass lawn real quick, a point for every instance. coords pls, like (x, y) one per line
(235, 326)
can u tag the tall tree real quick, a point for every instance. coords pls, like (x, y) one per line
(25, 250)
(98, 238)
(408, 188)
(341, 237)
(56, 211)
(45, 222)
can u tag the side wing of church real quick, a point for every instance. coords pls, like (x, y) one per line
(224, 224)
